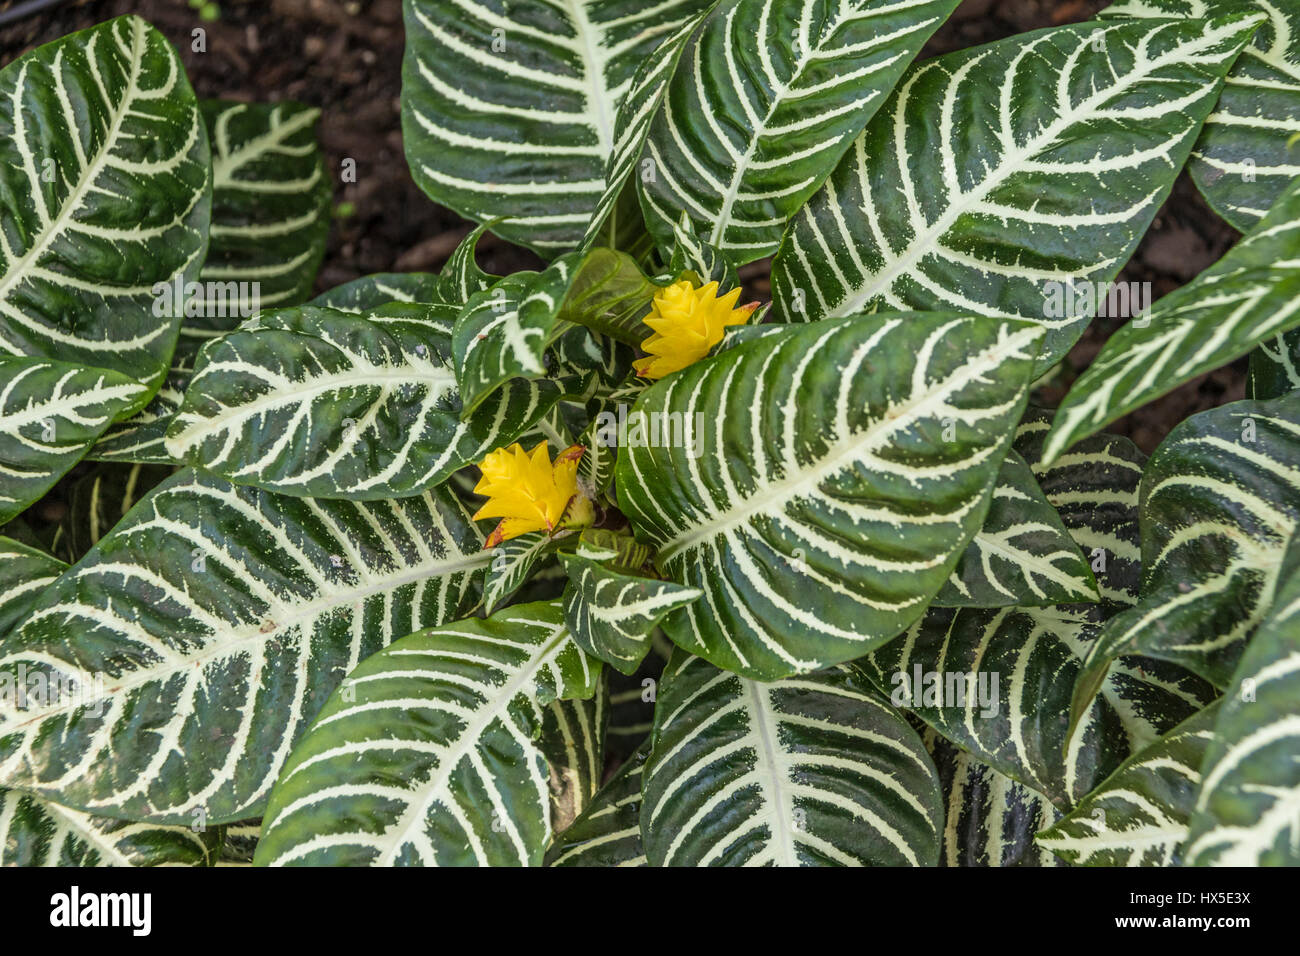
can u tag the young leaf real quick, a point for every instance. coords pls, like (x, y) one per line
(428, 755)
(610, 295)
(1138, 815)
(1250, 295)
(36, 832)
(503, 331)
(196, 642)
(766, 99)
(513, 115)
(1245, 812)
(316, 402)
(1247, 153)
(512, 562)
(808, 771)
(996, 175)
(843, 469)
(690, 253)
(612, 615)
(461, 277)
(1022, 554)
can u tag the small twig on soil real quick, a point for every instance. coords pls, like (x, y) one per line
(16, 13)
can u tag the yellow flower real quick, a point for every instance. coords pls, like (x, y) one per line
(529, 493)
(687, 322)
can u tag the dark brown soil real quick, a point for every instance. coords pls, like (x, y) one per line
(344, 56)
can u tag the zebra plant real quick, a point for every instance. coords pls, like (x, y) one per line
(604, 563)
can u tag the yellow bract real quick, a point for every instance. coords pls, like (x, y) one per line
(687, 322)
(529, 493)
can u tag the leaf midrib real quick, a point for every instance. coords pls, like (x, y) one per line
(439, 380)
(217, 649)
(776, 494)
(767, 757)
(927, 241)
(601, 96)
(466, 742)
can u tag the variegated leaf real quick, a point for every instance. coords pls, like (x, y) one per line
(1248, 810)
(50, 414)
(843, 468)
(270, 214)
(503, 331)
(1275, 367)
(240, 843)
(573, 745)
(141, 438)
(1247, 152)
(429, 753)
(1138, 815)
(998, 682)
(766, 100)
(610, 295)
(1248, 297)
(612, 614)
(692, 254)
(370, 292)
(510, 112)
(187, 652)
(1220, 504)
(807, 771)
(36, 832)
(996, 175)
(608, 833)
(546, 584)
(107, 194)
(461, 277)
(512, 563)
(1022, 554)
(1094, 488)
(312, 401)
(596, 467)
(618, 210)
(24, 573)
(990, 819)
